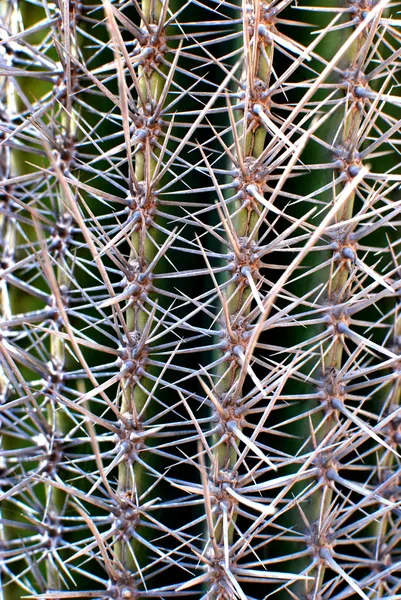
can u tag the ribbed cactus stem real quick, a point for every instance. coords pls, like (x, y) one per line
(151, 85)
(338, 292)
(250, 135)
(149, 52)
(64, 141)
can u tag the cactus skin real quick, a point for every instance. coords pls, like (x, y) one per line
(200, 334)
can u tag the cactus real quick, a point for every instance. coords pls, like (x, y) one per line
(200, 331)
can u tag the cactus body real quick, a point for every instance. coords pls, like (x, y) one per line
(199, 299)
